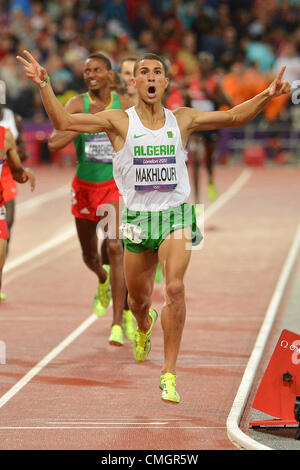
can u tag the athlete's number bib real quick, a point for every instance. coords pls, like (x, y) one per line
(98, 149)
(155, 173)
(2, 212)
(132, 232)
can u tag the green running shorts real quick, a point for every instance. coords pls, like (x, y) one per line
(147, 230)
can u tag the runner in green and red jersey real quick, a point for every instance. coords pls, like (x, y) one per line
(95, 196)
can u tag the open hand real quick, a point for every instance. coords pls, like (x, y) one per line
(278, 86)
(30, 177)
(33, 69)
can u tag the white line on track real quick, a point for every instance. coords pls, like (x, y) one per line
(25, 208)
(235, 434)
(66, 235)
(107, 420)
(229, 194)
(87, 423)
(38, 262)
(48, 358)
(109, 427)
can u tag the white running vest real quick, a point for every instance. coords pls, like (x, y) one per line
(150, 170)
(9, 122)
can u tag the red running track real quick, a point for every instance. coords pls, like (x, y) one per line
(89, 395)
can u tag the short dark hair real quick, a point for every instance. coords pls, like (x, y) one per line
(150, 56)
(127, 59)
(101, 56)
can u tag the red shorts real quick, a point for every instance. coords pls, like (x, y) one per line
(87, 197)
(9, 185)
(4, 233)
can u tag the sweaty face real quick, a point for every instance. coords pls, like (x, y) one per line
(95, 74)
(150, 80)
(127, 73)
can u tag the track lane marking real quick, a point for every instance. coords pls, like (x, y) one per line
(66, 235)
(26, 208)
(229, 193)
(109, 427)
(48, 358)
(235, 434)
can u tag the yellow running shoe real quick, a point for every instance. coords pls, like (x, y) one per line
(104, 290)
(168, 387)
(211, 192)
(116, 336)
(2, 296)
(142, 343)
(129, 325)
(103, 295)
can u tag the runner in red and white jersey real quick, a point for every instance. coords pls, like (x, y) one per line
(8, 152)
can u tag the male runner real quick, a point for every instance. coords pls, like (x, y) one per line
(126, 68)
(93, 186)
(127, 72)
(150, 170)
(207, 95)
(8, 151)
(13, 122)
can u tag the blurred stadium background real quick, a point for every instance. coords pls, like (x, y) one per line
(249, 39)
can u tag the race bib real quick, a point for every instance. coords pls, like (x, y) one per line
(132, 232)
(98, 149)
(2, 212)
(155, 173)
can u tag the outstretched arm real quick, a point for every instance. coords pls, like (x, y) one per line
(59, 139)
(60, 118)
(240, 114)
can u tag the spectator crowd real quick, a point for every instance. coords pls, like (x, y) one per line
(249, 40)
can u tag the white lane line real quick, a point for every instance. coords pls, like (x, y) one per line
(109, 427)
(25, 208)
(48, 358)
(241, 180)
(69, 423)
(229, 194)
(235, 434)
(12, 275)
(66, 235)
(107, 420)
